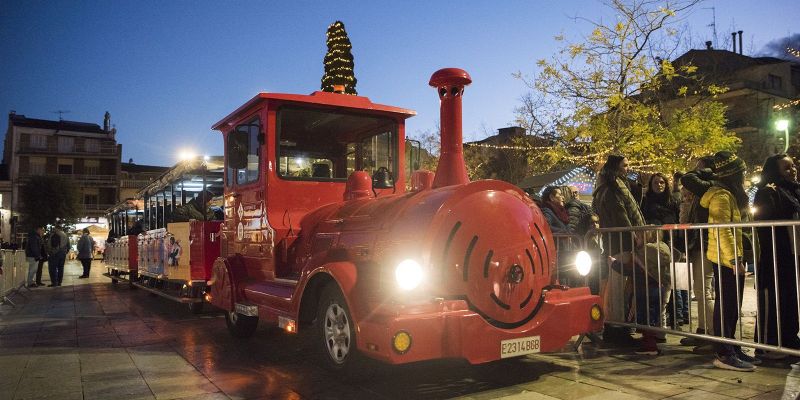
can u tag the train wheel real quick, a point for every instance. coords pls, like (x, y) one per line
(335, 335)
(196, 307)
(241, 326)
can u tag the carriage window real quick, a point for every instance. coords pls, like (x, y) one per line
(244, 153)
(326, 145)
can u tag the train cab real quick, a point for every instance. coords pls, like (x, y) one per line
(289, 154)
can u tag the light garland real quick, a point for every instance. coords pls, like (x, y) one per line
(779, 107)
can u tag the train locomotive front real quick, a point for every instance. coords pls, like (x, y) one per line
(450, 269)
(466, 269)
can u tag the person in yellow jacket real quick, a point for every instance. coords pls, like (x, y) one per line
(727, 202)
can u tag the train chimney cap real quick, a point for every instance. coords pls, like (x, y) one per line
(450, 76)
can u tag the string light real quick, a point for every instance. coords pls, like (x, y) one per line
(779, 107)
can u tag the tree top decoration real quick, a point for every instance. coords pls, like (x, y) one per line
(339, 75)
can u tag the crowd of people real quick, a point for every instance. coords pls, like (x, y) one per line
(713, 192)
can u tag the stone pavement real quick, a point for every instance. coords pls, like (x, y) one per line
(91, 340)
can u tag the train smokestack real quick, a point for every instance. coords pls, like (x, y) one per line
(450, 82)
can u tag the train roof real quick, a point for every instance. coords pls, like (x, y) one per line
(320, 98)
(187, 172)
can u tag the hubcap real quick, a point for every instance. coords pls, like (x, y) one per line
(337, 333)
(232, 316)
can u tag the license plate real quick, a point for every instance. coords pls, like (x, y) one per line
(520, 346)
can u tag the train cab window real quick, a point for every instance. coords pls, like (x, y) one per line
(244, 153)
(328, 145)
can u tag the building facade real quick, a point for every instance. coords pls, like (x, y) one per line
(84, 152)
(757, 88)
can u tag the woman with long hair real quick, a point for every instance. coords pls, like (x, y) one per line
(777, 198)
(727, 202)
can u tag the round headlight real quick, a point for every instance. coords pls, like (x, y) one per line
(583, 263)
(408, 274)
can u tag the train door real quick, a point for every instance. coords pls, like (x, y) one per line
(248, 233)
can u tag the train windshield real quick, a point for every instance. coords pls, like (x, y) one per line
(328, 145)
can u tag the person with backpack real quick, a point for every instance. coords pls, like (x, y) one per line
(58, 244)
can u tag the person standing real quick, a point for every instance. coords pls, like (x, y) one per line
(660, 207)
(727, 202)
(85, 252)
(616, 207)
(33, 253)
(695, 184)
(42, 260)
(778, 198)
(58, 246)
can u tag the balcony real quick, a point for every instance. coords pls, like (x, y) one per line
(83, 179)
(102, 150)
(97, 207)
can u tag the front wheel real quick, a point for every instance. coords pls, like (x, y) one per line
(241, 326)
(335, 335)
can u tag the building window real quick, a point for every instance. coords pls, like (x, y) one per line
(37, 165)
(91, 167)
(773, 82)
(66, 144)
(39, 141)
(92, 145)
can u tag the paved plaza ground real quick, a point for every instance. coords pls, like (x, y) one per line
(91, 340)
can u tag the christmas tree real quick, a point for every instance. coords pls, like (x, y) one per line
(339, 76)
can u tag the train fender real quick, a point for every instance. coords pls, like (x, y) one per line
(343, 274)
(226, 275)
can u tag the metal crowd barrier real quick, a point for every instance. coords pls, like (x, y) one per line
(640, 258)
(15, 271)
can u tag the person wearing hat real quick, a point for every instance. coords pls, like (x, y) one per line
(727, 202)
(85, 252)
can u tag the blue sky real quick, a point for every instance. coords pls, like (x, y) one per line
(166, 71)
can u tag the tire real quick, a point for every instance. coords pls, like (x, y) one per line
(334, 336)
(196, 307)
(240, 326)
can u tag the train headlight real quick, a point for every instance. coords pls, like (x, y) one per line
(583, 263)
(408, 274)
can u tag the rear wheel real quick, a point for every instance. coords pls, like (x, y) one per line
(335, 335)
(241, 326)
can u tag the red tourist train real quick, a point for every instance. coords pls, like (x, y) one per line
(320, 235)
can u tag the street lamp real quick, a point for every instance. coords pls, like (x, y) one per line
(783, 125)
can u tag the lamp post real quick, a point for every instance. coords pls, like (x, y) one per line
(783, 125)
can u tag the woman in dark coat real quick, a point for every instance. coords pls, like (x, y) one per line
(659, 206)
(552, 207)
(778, 198)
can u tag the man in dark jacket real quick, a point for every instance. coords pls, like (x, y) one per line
(85, 252)
(57, 247)
(33, 253)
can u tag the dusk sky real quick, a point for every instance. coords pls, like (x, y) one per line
(168, 70)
